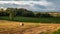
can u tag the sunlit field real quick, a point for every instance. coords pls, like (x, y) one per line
(12, 27)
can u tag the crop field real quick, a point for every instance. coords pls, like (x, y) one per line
(12, 27)
(31, 25)
(31, 19)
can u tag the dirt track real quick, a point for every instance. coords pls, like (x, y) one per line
(43, 28)
(10, 27)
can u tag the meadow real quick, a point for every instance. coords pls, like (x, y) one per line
(33, 19)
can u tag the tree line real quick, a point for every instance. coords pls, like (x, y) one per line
(12, 12)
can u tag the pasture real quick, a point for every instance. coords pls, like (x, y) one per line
(32, 19)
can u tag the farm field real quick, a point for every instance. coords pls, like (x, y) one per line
(34, 20)
(29, 17)
(12, 27)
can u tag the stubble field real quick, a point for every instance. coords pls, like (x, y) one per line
(11, 27)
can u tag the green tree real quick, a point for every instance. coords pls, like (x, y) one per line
(45, 15)
(11, 12)
(24, 12)
(38, 15)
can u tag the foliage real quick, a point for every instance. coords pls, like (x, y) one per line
(24, 12)
(21, 12)
(15, 12)
(46, 15)
(38, 15)
(11, 12)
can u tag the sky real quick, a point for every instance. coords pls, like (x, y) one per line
(34, 5)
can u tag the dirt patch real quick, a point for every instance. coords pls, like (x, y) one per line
(10, 27)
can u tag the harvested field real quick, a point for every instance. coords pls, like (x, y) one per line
(11, 27)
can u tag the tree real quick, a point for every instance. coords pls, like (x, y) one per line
(11, 12)
(28, 14)
(38, 15)
(24, 12)
(45, 15)
(3, 13)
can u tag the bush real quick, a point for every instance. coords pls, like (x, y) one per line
(38, 15)
(43, 15)
(28, 14)
(4, 14)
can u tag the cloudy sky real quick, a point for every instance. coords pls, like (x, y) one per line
(34, 5)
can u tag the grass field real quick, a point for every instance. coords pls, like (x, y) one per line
(31, 19)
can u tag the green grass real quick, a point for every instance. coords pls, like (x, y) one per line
(31, 19)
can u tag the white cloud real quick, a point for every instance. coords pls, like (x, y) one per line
(27, 2)
(45, 3)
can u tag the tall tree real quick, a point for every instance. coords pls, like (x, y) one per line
(11, 12)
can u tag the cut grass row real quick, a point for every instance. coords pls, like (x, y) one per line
(31, 19)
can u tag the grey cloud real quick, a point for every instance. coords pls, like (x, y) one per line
(40, 6)
(35, 7)
(19, 0)
(9, 5)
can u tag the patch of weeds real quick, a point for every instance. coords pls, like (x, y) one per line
(56, 32)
